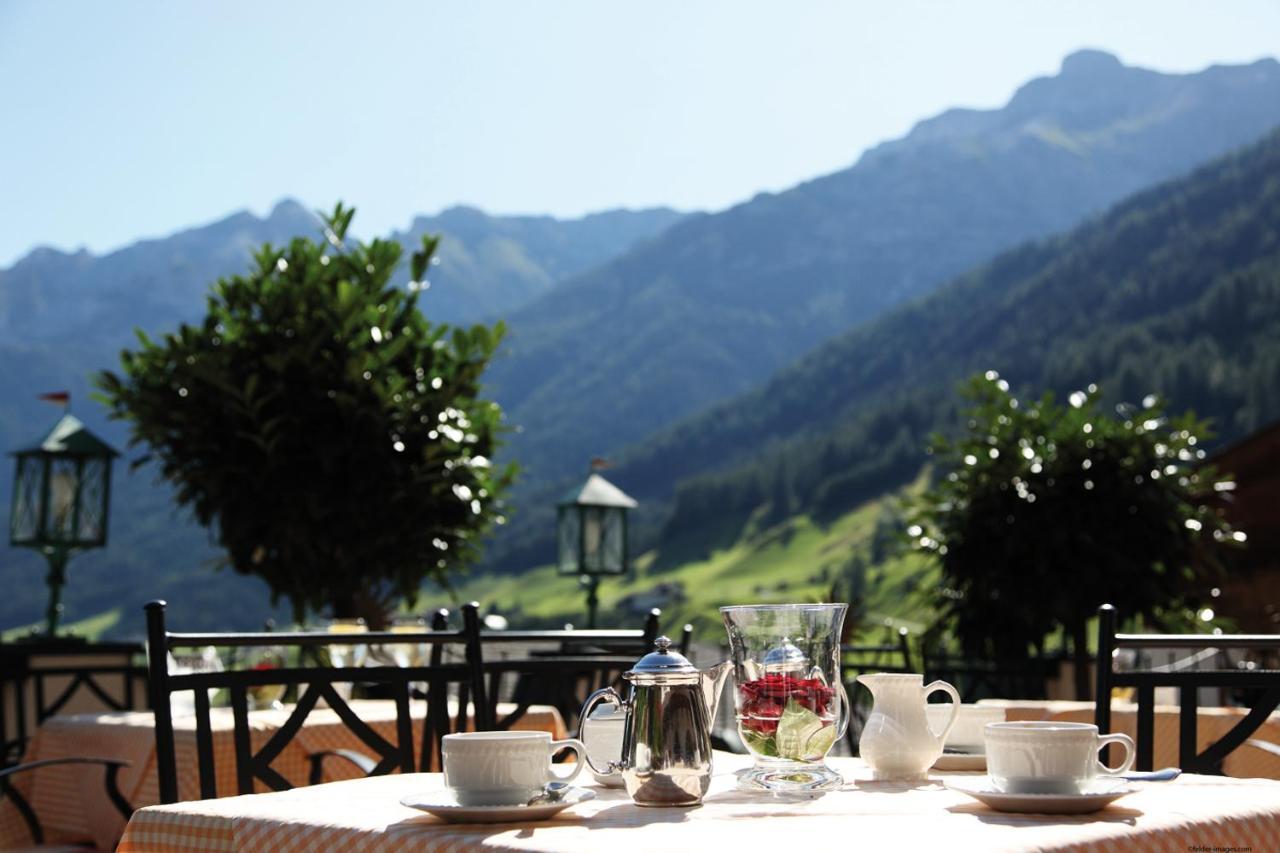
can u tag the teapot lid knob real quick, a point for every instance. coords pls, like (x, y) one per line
(663, 662)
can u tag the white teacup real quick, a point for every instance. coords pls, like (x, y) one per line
(1048, 757)
(968, 734)
(503, 768)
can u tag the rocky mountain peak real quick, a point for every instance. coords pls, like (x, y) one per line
(1090, 62)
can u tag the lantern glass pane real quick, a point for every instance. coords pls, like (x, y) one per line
(592, 535)
(64, 487)
(612, 548)
(569, 536)
(91, 524)
(24, 521)
(602, 540)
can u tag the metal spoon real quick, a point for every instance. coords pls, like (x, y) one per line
(553, 793)
(1168, 774)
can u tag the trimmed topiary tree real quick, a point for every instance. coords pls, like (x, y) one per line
(1044, 511)
(335, 442)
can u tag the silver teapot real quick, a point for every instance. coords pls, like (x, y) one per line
(666, 740)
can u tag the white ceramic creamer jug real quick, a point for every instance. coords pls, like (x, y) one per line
(896, 741)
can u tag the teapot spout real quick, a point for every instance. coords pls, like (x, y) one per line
(713, 686)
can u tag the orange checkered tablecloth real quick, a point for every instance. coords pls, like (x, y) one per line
(71, 801)
(365, 815)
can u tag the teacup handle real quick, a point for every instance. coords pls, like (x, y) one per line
(934, 687)
(1128, 754)
(579, 754)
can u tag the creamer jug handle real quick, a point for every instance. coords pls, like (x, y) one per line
(934, 687)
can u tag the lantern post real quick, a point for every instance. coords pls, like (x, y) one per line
(591, 524)
(61, 500)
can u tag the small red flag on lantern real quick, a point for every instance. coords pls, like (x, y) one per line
(63, 397)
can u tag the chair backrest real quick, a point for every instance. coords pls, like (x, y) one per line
(893, 655)
(1261, 685)
(254, 765)
(40, 679)
(571, 664)
(978, 679)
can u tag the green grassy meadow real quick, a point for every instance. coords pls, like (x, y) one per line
(796, 560)
(91, 627)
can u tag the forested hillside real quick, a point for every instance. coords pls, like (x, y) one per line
(1174, 292)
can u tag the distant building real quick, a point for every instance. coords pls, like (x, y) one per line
(1252, 595)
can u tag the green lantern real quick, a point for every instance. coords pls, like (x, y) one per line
(61, 500)
(592, 534)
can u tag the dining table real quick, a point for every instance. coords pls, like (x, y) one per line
(71, 800)
(1189, 813)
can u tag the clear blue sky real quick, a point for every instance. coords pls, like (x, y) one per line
(129, 119)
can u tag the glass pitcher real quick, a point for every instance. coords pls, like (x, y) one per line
(790, 703)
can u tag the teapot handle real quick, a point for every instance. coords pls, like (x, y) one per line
(607, 694)
(935, 686)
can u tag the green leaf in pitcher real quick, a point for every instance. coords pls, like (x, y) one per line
(796, 728)
(760, 743)
(820, 743)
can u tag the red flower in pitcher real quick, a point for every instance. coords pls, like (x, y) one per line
(764, 699)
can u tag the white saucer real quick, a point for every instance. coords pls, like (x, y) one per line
(443, 804)
(1096, 797)
(957, 762)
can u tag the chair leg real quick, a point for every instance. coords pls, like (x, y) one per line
(24, 810)
(113, 791)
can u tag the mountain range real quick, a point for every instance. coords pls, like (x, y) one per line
(492, 265)
(717, 303)
(790, 352)
(488, 265)
(792, 491)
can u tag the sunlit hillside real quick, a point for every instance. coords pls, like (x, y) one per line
(798, 559)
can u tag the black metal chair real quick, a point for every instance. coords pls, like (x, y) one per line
(686, 639)
(1260, 689)
(40, 678)
(977, 679)
(460, 682)
(563, 677)
(111, 769)
(893, 655)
